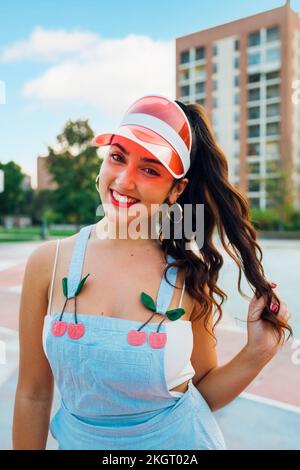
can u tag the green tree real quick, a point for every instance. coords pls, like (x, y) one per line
(74, 167)
(41, 206)
(278, 194)
(13, 197)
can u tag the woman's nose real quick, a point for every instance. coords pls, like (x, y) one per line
(127, 178)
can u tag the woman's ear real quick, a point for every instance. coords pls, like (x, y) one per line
(177, 189)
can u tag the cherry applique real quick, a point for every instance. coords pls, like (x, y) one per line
(157, 339)
(59, 328)
(136, 337)
(75, 330)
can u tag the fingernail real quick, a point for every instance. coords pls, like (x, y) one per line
(274, 308)
(273, 285)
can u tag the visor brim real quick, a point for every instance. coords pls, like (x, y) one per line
(150, 141)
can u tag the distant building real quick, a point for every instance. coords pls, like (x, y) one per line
(247, 75)
(26, 183)
(44, 179)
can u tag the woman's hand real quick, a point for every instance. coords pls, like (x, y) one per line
(262, 339)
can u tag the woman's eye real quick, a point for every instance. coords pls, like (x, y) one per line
(154, 173)
(116, 155)
(151, 172)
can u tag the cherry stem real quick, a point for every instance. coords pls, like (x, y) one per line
(158, 328)
(75, 313)
(146, 321)
(61, 315)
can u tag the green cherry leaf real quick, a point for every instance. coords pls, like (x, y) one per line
(175, 314)
(65, 286)
(81, 284)
(148, 301)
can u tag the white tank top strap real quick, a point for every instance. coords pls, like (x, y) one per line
(52, 280)
(182, 292)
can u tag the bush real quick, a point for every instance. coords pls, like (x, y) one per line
(269, 219)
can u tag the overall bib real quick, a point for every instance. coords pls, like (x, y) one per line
(114, 395)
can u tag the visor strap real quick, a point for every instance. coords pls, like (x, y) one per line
(164, 130)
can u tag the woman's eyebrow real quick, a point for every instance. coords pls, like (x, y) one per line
(144, 159)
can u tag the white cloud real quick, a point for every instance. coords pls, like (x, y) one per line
(43, 45)
(107, 74)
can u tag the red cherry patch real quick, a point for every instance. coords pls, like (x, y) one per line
(75, 330)
(136, 338)
(157, 340)
(59, 328)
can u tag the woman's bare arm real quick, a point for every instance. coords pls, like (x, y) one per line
(34, 392)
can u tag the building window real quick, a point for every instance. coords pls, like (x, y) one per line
(236, 63)
(200, 53)
(254, 94)
(254, 149)
(201, 101)
(184, 57)
(236, 134)
(254, 202)
(215, 102)
(254, 39)
(200, 73)
(254, 58)
(272, 166)
(237, 45)
(273, 149)
(273, 128)
(273, 91)
(254, 77)
(254, 112)
(236, 80)
(253, 168)
(272, 75)
(236, 98)
(254, 131)
(237, 169)
(215, 119)
(215, 85)
(200, 87)
(184, 74)
(185, 90)
(273, 34)
(236, 117)
(253, 185)
(273, 55)
(273, 110)
(215, 50)
(215, 67)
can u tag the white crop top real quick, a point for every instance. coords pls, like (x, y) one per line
(178, 349)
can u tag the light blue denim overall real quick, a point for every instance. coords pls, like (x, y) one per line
(114, 395)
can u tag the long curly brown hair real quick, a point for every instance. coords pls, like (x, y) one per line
(225, 210)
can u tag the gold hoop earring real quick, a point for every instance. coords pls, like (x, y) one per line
(96, 183)
(181, 213)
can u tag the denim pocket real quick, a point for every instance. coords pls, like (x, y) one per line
(96, 377)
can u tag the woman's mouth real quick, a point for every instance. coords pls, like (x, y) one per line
(121, 200)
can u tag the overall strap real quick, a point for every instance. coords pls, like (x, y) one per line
(166, 290)
(52, 280)
(76, 263)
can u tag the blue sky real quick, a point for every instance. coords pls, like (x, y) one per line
(63, 59)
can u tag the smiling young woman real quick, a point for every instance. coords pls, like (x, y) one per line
(129, 335)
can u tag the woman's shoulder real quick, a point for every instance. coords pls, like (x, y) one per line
(42, 257)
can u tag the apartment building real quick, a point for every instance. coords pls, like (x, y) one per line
(247, 75)
(44, 178)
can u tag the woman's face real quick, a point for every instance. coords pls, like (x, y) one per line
(129, 169)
